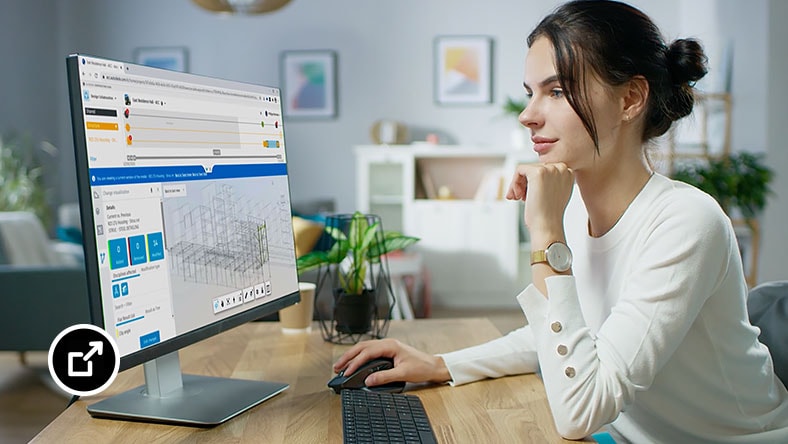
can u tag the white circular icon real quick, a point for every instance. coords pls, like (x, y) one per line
(71, 363)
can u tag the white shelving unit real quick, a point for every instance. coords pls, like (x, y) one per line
(472, 242)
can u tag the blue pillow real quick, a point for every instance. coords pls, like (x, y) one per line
(603, 438)
(70, 234)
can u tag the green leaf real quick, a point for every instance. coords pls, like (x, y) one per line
(358, 228)
(355, 279)
(391, 243)
(311, 260)
(338, 251)
(513, 106)
(336, 233)
(369, 236)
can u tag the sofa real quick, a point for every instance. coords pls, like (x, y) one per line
(39, 302)
(43, 283)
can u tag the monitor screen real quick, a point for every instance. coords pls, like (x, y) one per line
(185, 204)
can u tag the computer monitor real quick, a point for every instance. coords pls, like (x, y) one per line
(187, 226)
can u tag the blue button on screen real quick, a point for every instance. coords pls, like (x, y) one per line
(150, 339)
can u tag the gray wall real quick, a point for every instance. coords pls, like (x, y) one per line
(385, 68)
(385, 65)
(30, 68)
(29, 93)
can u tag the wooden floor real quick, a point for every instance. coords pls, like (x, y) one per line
(29, 399)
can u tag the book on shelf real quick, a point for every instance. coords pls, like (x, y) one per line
(426, 181)
(492, 186)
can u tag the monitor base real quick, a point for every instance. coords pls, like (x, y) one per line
(203, 401)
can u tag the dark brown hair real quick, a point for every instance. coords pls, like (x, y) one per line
(618, 42)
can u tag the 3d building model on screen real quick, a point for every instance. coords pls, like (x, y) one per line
(222, 235)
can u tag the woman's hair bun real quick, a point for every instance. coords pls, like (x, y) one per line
(687, 63)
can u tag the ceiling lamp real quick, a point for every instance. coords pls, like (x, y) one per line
(246, 7)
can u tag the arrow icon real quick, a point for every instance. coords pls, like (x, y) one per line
(98, 347)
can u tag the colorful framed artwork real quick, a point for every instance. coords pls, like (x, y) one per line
(174, 58)
(309, 83)
(463, 70)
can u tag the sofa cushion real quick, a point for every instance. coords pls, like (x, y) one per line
(306, 234)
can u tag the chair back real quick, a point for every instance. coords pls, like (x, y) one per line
(767, 305)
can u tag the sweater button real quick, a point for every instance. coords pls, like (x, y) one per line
(556, 326)
(570, 372)
(562, 350)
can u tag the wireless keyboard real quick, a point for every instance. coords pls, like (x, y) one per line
(376, 417)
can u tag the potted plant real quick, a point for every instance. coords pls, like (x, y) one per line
(22, 176)
(512, 108)
(738, 181)
(354, 258)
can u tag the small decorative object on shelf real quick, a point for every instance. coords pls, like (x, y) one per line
(388, 132)
(351, 259)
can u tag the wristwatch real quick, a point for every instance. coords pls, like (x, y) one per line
(557, 255)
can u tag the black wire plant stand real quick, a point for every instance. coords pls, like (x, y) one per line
(350, 318)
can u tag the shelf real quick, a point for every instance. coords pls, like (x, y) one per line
(470, 243)
(479, 205)
(385, 200)
(457, 199)
(694, 138)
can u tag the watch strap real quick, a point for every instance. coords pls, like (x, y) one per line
(538, 256)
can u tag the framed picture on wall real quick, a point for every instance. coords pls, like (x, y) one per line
(174, 58)
(463, 70)
(309, 83)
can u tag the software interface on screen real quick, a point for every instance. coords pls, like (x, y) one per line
(190, 199)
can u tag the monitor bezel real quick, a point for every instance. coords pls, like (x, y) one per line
(89, 244)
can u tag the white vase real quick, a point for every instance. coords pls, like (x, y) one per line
(519, 137)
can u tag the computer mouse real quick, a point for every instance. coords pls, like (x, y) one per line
(356, 380)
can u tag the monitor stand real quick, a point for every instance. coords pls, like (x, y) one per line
(173, 398)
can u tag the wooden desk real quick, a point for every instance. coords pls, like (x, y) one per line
(505, 410)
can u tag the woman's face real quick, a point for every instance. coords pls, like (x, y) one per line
(557, 132)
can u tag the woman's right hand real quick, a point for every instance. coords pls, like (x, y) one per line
(545, 189)
(410, 364)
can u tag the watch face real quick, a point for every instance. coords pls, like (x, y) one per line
(559, 257)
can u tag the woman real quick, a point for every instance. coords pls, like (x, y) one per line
(647, 329)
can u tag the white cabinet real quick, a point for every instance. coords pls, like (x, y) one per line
(384, 178)
(472, 240)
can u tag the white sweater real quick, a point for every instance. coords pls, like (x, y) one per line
(650, 335)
